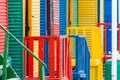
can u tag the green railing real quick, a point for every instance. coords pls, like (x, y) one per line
(7, 34)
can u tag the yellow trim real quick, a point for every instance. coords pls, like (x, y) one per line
(34, 26)
(87, 13)
(71, 11)
(29, 17)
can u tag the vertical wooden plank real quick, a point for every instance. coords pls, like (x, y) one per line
(59, 59)
(101, 3)
(30, 58)
(34, 26)
(25, 60)
(52, 58)
(66, 57)
(41, 56)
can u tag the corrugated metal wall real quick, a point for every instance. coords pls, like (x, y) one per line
(53, 18)
(87, 13)
(67, 13)
(43, 17)
(56, 16)
(74, 23)
(16, 25)
(74, 13)
(34, 26)
(107, 11)
(108, 19)
(34, 17)
(3, 21)
(63, 17)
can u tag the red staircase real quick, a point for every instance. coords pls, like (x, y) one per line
(59, 58)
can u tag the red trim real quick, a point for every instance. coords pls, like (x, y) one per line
(105, 39)
(106, 58)
(30, 58)
(52, 58)
(25, 61)
(104, 25)
(41, 53)
(59, 56)
(58, 62)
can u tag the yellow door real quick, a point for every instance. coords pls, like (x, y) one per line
(87, 13)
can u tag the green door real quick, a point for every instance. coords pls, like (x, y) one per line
(15, 26)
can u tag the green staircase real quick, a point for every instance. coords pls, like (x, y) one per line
(11, 74)
(6, 71)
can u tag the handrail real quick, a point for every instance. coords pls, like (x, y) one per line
(30, 52)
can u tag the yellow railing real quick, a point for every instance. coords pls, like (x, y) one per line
(94, 41)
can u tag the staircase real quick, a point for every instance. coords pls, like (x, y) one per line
(11, 74)
(6, 71)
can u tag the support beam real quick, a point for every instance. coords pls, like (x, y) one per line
(114, 39)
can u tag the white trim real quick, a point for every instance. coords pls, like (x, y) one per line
(114, 39)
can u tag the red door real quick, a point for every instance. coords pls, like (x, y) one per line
(3, 21)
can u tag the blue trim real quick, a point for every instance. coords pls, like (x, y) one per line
(43, 17)
(46, 57)
(62, 18)
(108, 19)
(82, 69)
(98, 11)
